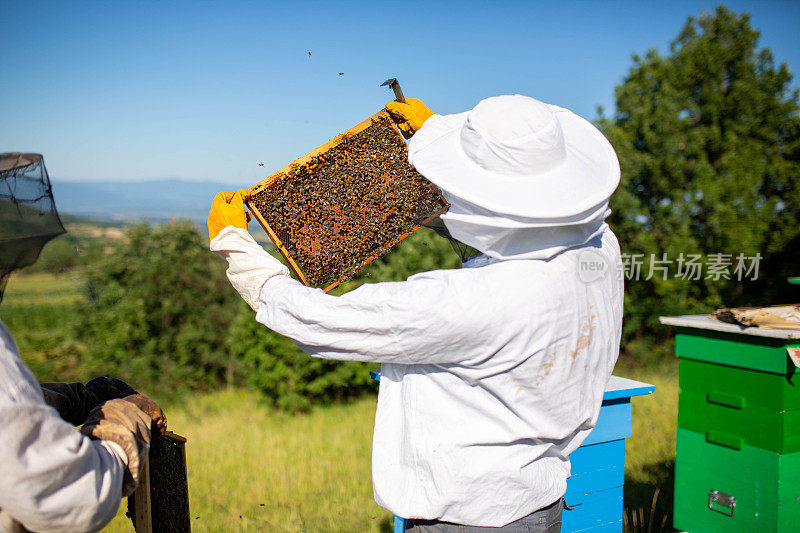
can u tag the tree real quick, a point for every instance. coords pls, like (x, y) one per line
(708, 141)
(58, 257)
(158, 311)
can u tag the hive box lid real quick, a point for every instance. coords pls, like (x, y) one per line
(618, 387)
(704, 322)
(704, 339)
(614, 420)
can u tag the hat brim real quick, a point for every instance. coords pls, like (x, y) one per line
(585, 179)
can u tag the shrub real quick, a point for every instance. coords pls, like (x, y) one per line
(158, 310)
(289, 378)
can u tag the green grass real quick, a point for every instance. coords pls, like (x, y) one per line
(253, 469)
(25, 289)
(39, 310)
(312, 472)
(650, 451)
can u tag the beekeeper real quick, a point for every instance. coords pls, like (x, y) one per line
(55, 477)
(491, 374)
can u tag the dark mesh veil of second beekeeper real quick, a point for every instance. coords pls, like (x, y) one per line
(28, 216)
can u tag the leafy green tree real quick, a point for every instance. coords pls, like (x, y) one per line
(159, 307)
(707, 138)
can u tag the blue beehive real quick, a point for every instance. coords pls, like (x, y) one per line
(594, 490)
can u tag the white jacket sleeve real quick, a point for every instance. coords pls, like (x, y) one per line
(427, 319)
(436, 317)
(249, 265)
(53, 478)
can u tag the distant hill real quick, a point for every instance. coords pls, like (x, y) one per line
(123, 201)
(77, 220)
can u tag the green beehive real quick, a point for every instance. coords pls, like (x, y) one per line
(737, 466)
(719, 488)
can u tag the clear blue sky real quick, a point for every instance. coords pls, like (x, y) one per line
(207, 90)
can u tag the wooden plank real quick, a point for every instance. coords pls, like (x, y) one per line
(769, 429)
(143, 522)
(601, 509)
(614, 423)
(763, 353)
(777, 392)
(361, 126)
(763, 482)
(595, 468)
(175, 437)
(618, 387)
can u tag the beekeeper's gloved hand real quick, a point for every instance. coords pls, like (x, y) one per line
(249, 266)
(106, 388)
(227, 209)
(409, 116)
(73, 401)
(122, 422)
(150, 409)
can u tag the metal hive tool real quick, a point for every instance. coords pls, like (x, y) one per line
(345, 204)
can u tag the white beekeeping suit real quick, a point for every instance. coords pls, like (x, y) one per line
(54, 477)
(491, 374)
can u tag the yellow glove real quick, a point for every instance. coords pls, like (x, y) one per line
(409, 116)
(227, 209)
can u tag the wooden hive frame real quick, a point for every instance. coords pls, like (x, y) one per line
(143, 504)
(283, 172)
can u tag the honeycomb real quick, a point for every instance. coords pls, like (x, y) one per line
(345, 204)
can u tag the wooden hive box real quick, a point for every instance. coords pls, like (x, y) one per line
(345, 204)
(737, 460)
(596, 483)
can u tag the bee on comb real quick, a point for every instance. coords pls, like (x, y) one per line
(345, 204)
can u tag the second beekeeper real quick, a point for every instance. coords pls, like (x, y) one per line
(494, 373)
(56, 477)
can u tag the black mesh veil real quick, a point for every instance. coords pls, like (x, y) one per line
(464, 251)
(28, 216)
(429, 220)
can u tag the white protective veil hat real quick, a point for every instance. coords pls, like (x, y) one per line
(525, 179)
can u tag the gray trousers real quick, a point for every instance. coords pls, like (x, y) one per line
(545, 520)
